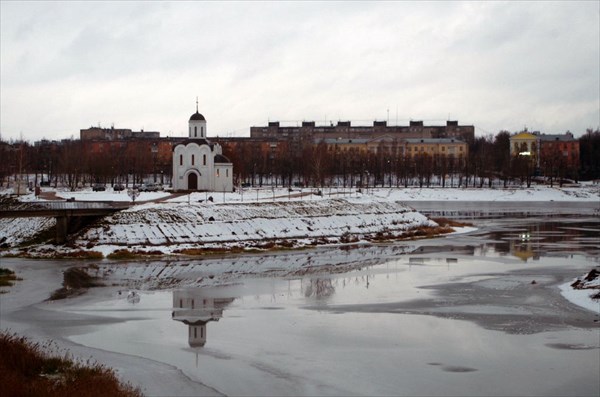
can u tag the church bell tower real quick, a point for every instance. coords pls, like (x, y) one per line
(197, 125)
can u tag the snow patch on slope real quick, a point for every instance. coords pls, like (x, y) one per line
(201, 223)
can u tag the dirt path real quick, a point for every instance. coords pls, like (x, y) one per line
(49, 196)
(162, 199)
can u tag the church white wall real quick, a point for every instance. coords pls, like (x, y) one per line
(197, 128)
(189, 158)
(200, 160)
(223, 177)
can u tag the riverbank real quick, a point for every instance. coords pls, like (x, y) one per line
(194, 228)
(164, 225)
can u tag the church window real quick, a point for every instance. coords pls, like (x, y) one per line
(201, 131)
(218, 172)
(203, 159)
(193, 158)
(227, 173)
(192, 303)
(195, 332)
(195, 131)
(180, 303)
(181, 159)
(202, 332)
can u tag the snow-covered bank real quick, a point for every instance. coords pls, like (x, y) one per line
(173, 226)
(585, 192)
(259, 215)
(584, 291)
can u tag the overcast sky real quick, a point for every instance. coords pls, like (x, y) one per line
(140, 65)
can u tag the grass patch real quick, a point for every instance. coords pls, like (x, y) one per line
(450, 222)
(7, 277)
(27, 370)
(75, 282)
(209, 251)
(123, 254)
(79, 254)
(412, 234)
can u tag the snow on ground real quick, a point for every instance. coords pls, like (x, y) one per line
(586, 192)
(204, 223)
(581, 290)
(535, 193)
(14, 231)
(257, 214)
(109, 195)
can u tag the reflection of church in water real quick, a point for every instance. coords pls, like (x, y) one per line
(195, 308)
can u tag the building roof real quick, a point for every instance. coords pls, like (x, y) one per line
(568, 137)
(524, 135)
(220, 159)
(197, 117)
(198, 141)
(433, 140)
(342, 141)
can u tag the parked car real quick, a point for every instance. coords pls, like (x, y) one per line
(99, 187)
(118, 187)
(149, 187)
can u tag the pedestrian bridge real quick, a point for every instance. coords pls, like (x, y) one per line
(70, 216)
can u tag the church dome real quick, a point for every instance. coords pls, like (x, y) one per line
(197, 117)
(220, 159)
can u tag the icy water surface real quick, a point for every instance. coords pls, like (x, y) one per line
(465, 315)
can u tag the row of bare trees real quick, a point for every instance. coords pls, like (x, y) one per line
(75, 163)
(488, 161)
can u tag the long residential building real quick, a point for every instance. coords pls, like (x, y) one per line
(345, 130)
(115, 134)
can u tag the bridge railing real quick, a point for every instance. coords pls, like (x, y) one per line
(81, 205)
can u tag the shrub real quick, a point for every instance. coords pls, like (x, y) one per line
(450, 222)
(75, 282)
(27, 370)
(122, 254)
(7, 277)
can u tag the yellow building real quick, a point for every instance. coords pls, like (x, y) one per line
(433, 147)
(400, 148)
(525, 144)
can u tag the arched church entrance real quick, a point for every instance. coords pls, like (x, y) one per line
(192, 181)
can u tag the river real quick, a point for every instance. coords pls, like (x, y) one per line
(467, 314)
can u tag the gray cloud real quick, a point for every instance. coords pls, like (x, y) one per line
(68, 65)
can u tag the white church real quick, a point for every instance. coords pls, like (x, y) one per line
(199, 164)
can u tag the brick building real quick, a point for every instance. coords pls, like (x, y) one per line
(115, 134)
(345, 130)
(549, 153)
(563, 148)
